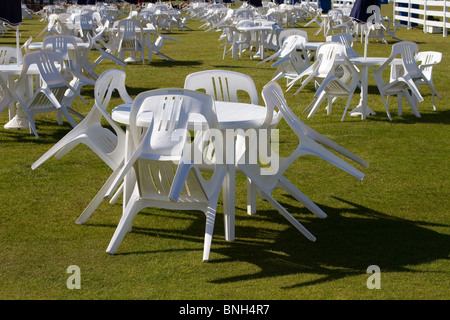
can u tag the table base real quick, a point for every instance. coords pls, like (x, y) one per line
(358, 111)
(18, 122)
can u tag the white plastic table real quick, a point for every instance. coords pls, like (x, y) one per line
(231, 115)
(258, 32)
(38, 45)
(363, 108)
(9, 73)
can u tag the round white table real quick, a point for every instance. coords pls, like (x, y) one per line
(231, 116)
(363, 109)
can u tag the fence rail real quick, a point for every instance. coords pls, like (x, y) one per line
(434, 16)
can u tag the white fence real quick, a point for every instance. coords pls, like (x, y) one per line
(434, 16)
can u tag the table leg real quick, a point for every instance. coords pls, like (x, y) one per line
(18, 120)
(363, 109)
(229, 201)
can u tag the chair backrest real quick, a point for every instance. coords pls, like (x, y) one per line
(407, 50)
(347, 40)
(9, 55)
(61, 43)
(327, 53)
(273, 97)
(222, 85)
(298, 61)
(291, 43)
(335, 15)
(109, 81)
(291, 32)
(49, 64)
(244, 13)
(166, 137)
(427, 60)
(127, 28)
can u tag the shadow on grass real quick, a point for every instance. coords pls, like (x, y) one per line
(434, 117)
(348, 241)
(176, 63)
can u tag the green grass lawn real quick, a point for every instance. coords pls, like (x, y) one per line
(397, 218)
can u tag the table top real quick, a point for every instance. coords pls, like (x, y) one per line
(231, 115)
(38, 45)
(16, 69)
(313, 45)
(372, 60)
(255, 28)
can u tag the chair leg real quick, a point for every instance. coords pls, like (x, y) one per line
(316, 105)
(400, 104)
(386, 107)
(252, 193)
(124, 226)
(346, 107)
(300, 197)
(289, 217)
(209, 229)
(99, 197)
(434, 101)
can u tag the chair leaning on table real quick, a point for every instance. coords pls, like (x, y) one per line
(49, 97)
(403, 78)
(166, 176)
(108, 145)
(427, 60)
(292, 59)
(129, 39)
(335, 80)
(310, 143)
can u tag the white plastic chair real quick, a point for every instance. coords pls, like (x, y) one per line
(222, 85)
(336, 79)
(235, 41)
(347, 40)
(107, 144)
(89, 67)
(51, 26)
(165, 176)
(53, 88)
(129, 39)
(292, 59)
(391, 27)
(310, 143)
(291, 32)
(84, 25)
(156, 47)
(338, 21)
(404, 78)
(67, 46)
(427, 60)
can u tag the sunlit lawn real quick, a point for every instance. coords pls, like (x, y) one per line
(396, 218)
